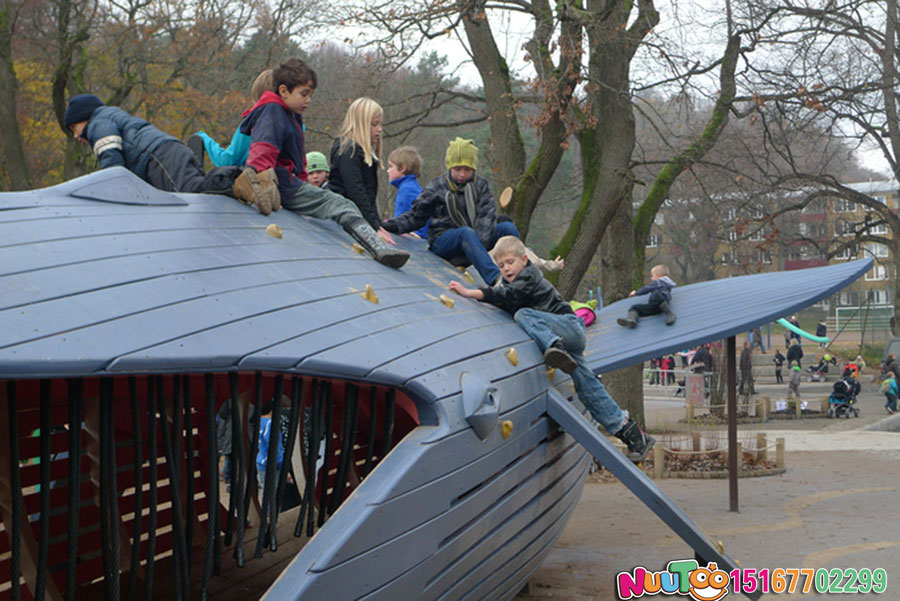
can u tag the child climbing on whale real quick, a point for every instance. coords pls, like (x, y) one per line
(660, 291)
(550, 321)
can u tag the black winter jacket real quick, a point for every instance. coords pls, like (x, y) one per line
(352, 178)
(795, 353)
(528, 289)
(118, 138)
(435, 203)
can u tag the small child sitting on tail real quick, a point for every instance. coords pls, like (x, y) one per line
(660, 291)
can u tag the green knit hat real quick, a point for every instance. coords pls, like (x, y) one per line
(316, 161)
(462, 153)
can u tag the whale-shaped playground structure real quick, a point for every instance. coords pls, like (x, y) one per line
(431, 462)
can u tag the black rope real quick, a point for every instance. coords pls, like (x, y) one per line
(312, 458)
(387, 442)
(16, 486)
(253, 424)
(212, 492)
(271, 465)
(189, 451)
(154, 384)
(40, 586)
(182, 558)
(237, 466)
(326, 464)
(348, 437)
(136, 429)
(112, 487)
(76, 401)
(177, 551)
(308, 461)
(370, 445)
(293, 419)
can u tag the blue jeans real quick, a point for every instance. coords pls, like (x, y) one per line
(891, 401)
(546, 328)
(464, 241)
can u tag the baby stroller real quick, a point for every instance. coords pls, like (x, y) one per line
(819, 373)
(843, 398)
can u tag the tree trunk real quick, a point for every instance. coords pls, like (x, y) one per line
(626, 384)
(506, 148)
(13, 147)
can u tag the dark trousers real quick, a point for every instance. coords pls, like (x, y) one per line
(173, 167)
(651, 307)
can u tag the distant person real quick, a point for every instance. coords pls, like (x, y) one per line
(660, 291)
(278, 158)
(821, 330)
(404, 170)
(795, 353)
(746, 365)
(163, 161)
(550, 321)
(316, 169)
(262, 451)
(778, 359)
(236, 153)
(794, 383)
(462, 211)
(787, 339)
(757, 339)
(796, 323)
(889, 389)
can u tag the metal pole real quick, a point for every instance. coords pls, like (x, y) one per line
(732, 427)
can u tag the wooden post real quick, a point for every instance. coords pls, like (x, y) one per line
(779, 453)
(823, 405)
(797, 410)
(762, 453)
(688, 411)
(695, 441)
(740, 454)
(659, 461)
(732, 426)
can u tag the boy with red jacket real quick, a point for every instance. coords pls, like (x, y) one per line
(278, 156)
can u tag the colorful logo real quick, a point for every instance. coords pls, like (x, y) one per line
(684, 577)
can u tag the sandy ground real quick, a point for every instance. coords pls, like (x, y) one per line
(834, 507)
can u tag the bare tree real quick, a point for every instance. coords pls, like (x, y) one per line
(16, 167)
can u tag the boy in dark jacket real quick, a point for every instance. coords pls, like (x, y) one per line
(540, 310)
(164, 162)
(461, 208)
(660, 291)
(275, 127)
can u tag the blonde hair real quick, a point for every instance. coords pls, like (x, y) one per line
(506, 246)
(407, 158)
(262, 83)
(660, 270)
(357, 128)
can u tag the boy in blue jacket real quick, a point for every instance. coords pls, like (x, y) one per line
(404, 167)
(163, 161)
(461, 208)
(550, 321)
(275, 127)
(660, 291)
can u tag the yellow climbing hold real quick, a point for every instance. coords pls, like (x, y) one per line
(273, 229)
(370, 295)
(356, 247)
(720, 546)
(551, 371)
(468, 277)
(506, 428)
(513, 356)
(447, 300)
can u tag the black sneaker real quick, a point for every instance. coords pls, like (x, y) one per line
(638, 442)
(556, 356)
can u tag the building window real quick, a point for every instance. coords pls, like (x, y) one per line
(877, 273)
(654, 240)
(843, 228)
(756, 235)
(848, 253)
(756, 213)
(764, 256)
(842, 205)
(848, 298)
(730, 214)
(880, 228)
(726, 258)
(879, 297)
(732, 235)
(876, 249)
